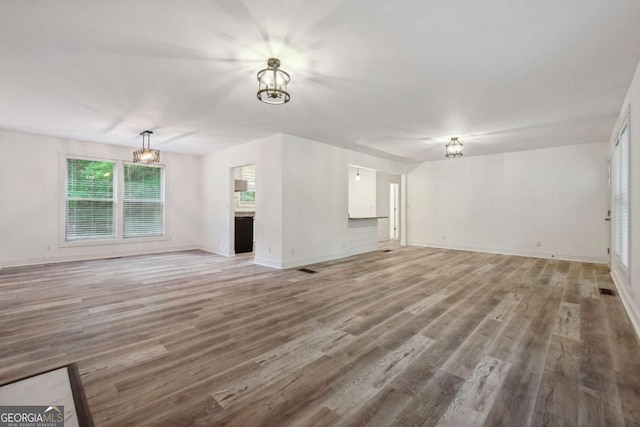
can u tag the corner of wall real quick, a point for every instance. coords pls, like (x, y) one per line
(627, 300)
(269, 263)
(211, 250)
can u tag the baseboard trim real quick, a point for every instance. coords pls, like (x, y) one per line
(215, 251)
(315, 260)
(268, 263)
(104, 255)
(531, 254)
(627, 301)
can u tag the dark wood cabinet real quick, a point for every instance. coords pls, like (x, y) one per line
(244, 234)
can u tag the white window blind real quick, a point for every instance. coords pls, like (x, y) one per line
(249, 174)
(143, 201)
(620, 217)
(90, 200)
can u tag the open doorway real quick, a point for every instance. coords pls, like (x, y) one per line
(394, 211)
(244, 209)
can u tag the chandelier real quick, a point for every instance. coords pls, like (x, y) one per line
(272, 83)
(453, 148)
(146, 155)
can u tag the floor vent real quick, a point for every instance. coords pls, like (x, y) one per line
(605, 291)
(306, 270)
(387, 250)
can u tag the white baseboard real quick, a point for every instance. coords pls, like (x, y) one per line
(54, 259)
(315, 260)
(268, 263)
(215, 251)
(627, 300)
(307, 261)
(531, 254)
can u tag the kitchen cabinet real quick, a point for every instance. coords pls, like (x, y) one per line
(243, 234)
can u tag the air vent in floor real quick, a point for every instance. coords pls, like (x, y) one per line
(306, 270)
(605, 291)
(387, 250)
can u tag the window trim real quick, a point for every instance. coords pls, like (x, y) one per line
(119, 191)
(114, 200)
(615, 261)
(164, 205)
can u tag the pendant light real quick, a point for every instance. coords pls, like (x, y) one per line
(272, 84)
(453, 148)
(146, 155)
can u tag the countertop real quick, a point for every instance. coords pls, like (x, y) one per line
(244, 214)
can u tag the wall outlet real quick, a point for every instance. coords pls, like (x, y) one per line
(49, 248)
(269, 249)
(293, 251)
(444, 237)
(539, 243)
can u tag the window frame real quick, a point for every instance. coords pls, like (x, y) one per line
(62, 237)
(251, 188)
(164, 204)
(119, 192)
(616, 172)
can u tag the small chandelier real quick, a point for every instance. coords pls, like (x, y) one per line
(272, 84)
(454, 148)
(146, 155)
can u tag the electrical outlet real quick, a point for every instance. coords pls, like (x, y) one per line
(293, 251)
(539, 243)
(269, 249)
(444, 237)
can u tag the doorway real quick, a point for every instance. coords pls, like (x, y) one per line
(244, 209)
(394, 213)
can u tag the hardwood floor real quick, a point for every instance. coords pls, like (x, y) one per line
(411, 337)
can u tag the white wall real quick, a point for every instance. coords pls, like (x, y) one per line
(32, 190)
(384, 224)
(362, 192)
(628, 282)
(506, 203)
(316, 182)
(217, 194)
(301, 201)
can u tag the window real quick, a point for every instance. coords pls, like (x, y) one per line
(249, 174)
(90, 200)
(620, 218)
(143, 201)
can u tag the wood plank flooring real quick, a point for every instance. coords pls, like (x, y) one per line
(411, 337)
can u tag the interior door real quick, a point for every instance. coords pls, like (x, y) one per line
(394, 217)
(608, 218)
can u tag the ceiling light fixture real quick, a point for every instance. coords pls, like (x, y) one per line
(358, 174)
(146, 155)
(454, 148)
(272, 84)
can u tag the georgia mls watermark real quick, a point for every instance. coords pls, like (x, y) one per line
(32, 416)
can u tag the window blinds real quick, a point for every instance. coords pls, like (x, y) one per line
(143, 201)
(90, 200)
(620, 226)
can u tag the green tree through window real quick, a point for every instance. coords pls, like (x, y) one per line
(90, 201)
(143, 201)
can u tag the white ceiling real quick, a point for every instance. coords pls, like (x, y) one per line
(392, 78)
